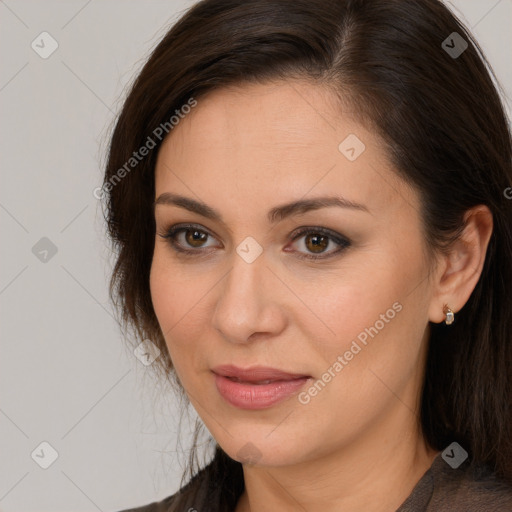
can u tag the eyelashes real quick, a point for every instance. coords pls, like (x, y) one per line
(317, 238)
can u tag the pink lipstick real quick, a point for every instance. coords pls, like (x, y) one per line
(257, 387)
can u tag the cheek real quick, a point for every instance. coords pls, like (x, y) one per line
(178, 302)
(353, 301)
(170, 297)
(376, 317)
(376, 302)
(174, 293)
(165, 293)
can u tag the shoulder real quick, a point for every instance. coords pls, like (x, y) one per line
(181, 501)
(468, 489)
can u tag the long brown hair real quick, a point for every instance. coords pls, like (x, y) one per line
(446, 132)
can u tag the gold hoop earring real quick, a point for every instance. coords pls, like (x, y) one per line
(450, 315)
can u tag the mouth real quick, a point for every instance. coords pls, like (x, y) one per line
(256, 374)
(257, 387)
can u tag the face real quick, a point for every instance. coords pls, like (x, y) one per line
(349, 327)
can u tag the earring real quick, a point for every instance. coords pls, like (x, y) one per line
(450, 315)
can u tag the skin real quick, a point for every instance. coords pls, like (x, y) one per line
(357, 444)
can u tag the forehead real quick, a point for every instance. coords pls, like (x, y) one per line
(277, 115)
(278, 142)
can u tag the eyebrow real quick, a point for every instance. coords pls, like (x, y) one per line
(274, 215)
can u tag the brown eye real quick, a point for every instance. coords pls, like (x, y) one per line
(194, 237)
(317, 241)
(192, 241)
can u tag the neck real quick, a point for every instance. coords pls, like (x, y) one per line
(373, 474)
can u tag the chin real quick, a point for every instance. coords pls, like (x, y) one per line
(263, 451)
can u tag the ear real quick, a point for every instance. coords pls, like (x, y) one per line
(460, 270)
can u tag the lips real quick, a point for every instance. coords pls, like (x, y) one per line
(258, 387)
(256, 375)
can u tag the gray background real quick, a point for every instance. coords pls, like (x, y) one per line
(66, 376)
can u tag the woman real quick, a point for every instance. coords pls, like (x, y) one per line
(311, 207)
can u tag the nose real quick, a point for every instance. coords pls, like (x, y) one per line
(249, 302)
